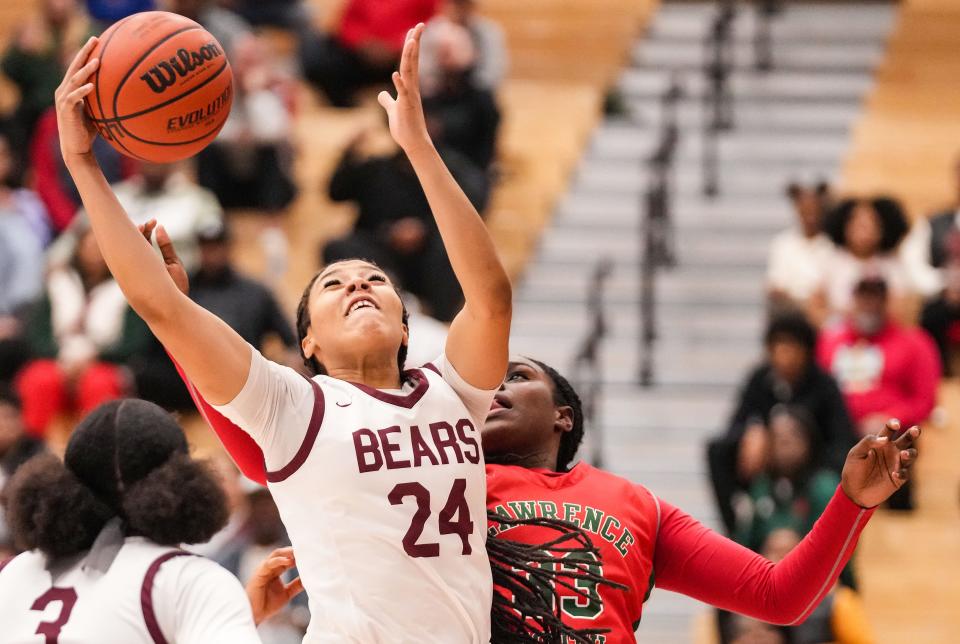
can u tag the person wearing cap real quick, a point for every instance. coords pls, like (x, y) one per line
(884, 369)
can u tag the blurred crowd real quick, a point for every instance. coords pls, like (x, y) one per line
(68, 339)
(864, 303)
(863, 323)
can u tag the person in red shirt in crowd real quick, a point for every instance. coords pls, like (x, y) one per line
(884, 369)
(365, 48)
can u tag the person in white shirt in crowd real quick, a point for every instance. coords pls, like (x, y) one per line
(162, 191)
(866, 233)
(798, 254)
(492, 58)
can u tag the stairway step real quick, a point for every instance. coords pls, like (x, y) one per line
(776, 87)
(828, 117)
(797, 55)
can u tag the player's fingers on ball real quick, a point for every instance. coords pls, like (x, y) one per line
(81, 56)
(76, 96)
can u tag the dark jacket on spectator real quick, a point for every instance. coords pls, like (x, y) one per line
(817, 392)
(466, 119)
(245, 305)
(943, 227)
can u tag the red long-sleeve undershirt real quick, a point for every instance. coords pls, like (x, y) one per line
(689, 558)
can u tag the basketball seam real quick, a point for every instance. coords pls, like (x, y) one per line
(103, 50)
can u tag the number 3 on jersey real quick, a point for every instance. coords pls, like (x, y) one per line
(456, 505)
(67, 598)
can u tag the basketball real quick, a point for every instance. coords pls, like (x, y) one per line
(163, 88)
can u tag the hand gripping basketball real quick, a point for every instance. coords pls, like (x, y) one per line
(76, 129)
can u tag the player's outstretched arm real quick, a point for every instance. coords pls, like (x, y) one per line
(477, 342)
(213, 355)
(694, 560)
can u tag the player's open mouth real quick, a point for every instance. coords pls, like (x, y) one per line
(500, 402)
(362, 302)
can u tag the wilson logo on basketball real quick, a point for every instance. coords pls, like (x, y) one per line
(164, 74)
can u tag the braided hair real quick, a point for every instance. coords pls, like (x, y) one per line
(313, 365)
(530, 576)
(565, 395)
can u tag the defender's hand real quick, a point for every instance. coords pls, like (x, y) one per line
(878, 466)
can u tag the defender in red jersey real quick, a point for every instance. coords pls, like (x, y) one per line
(529, 440)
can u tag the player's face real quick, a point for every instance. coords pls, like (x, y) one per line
(355, 312)
(524, 419)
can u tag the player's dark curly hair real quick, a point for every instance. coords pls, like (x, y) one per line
(303, 322)
(126, 459)
(527, 577)
(892, 220)
(565, 395)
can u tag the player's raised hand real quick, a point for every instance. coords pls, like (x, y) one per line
(879, 465)
(405, 112)
(266, 591)
(76, 130)
(170, 258)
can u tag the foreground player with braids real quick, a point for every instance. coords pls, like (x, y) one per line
(102, 532)
(530, 438)
(378, 473)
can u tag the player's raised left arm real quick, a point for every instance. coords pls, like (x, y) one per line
(477, 345)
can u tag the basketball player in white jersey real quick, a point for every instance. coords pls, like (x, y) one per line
(102, 531)
(377, 472)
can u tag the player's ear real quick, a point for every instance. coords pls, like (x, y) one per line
(309, 346)
(563, 421)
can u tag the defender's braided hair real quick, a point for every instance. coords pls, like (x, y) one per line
(532, 574)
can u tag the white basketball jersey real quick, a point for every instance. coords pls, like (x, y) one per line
(385, 504)
(150, 595)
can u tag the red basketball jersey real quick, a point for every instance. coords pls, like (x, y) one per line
(620, 517)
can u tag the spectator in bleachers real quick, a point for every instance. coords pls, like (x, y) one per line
(245, 304)
(18, 201)
(23, 233)
(490, 50)
(224, 25)
(866, 233)
(944, 230)
(167, 193)
(249, 163)
(291, 15)
(460, 114)
(839, 619)
(107, 12)
(364, 49)
(16, 447)
(941, 317)
(792, 490)
(51, 180)
(80, 331)
(788, 375)
(885, 370)
(798, 254)
(394, 225)
(37, 56)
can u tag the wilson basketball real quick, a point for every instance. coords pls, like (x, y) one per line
(163, 88)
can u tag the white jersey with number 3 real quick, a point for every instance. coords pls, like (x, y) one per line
(149, 595)
(383, 495)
